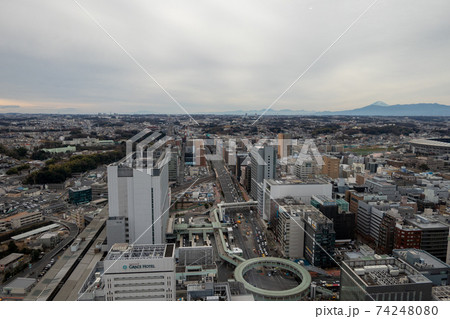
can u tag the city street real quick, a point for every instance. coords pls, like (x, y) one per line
(249, 235)
(39, 265)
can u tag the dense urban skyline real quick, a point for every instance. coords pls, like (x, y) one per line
(221, 56)
(204, 150)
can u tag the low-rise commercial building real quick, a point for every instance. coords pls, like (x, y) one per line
(19, 286)
(11, 261)
(20, 220)
(58, 150)
(380, 186)
(209, 291)
(195, 265)
(80, 195)
(49, 239)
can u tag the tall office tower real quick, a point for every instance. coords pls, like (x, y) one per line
(330, 166)
(289, 226)
(139, 200)
(263, 166)
(174, 165)
(199, 147)
(383, 279)
(386, 236)
(194, 154)
(284, 145)
(320, 238)
(189, 154)
(307, 169)
(242, 159)
(369, 217)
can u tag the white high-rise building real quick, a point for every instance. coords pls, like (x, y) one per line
(263, 166)
(139, 201)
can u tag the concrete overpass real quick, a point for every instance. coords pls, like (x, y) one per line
(222, 206)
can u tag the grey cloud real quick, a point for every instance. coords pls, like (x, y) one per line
(241, 55)
(9, 106)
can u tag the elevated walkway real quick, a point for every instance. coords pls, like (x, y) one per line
(296, 293)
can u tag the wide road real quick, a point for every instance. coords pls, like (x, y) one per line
(231, 193)
(249, 235)
(184, 186)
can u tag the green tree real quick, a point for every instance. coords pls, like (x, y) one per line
(12, 247)
(40, 155)
(22, 151)
(35, 253)
(12, 171)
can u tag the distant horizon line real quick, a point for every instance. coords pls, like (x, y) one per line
(64, 111)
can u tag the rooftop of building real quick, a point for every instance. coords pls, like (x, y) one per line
(295, 208)
(316, 215)
(387, 271)
(292, 180)
(427, 222)
(425, 260)
(407, 227)
(20, 282)
(194, 256)
(136, 252)
(48, 235)
(324, 200)
(209, 291)
(441, 293)
(35, 231)
(291, 210)
(380, 182)
(10, 258)
(79, 189)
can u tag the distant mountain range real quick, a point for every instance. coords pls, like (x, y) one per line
(378, 108)
(383, 109)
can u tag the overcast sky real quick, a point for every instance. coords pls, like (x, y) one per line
(221, 55)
